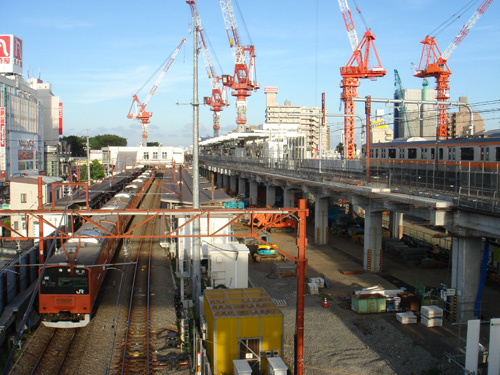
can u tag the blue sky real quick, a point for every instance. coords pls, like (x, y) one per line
(97, 54)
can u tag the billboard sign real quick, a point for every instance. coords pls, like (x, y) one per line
(11, 54)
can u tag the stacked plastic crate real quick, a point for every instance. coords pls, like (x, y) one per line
(431, 316)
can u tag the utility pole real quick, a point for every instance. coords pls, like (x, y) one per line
(88, 161)
(196, 276)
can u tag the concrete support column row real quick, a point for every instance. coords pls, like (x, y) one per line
(232, 184)
(396, 224)
(288, 197)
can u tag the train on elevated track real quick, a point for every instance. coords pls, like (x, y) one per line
(75, 272)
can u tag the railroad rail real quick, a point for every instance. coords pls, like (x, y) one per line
(137, 356)
(46, 352)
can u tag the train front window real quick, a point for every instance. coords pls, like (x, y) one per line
(60, 280)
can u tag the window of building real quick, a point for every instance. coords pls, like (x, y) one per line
(466, 153)
(155, 155)
(24, 198)
(23, 224)
(146, 156)
(15, 225)
(164, 155)
(412, 153)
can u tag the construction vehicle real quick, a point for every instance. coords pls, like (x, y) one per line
(274, 222)
(267, 252)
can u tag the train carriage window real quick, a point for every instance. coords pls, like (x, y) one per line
(376, 153)
(382, 153)
(433, 154)
(392, 153)
(485, 153)
(412, 153)
(441, 154)
(497, 153)
(451, 153)
(401, 153)
(424, 153)
(466, 153)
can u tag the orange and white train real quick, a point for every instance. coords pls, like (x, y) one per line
(74, 275)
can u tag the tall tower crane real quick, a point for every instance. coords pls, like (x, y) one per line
(244, 80)
(352, 73)
(139, 112)
(433, 63)
(218, 100)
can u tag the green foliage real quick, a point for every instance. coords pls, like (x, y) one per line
(340, 148)
(96, 171)
(105, 140)
(153, 144)
(78, 145)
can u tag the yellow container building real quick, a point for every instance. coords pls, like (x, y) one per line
(241, 324)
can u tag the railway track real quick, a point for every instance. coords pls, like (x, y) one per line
(136, 355)
(47, 352)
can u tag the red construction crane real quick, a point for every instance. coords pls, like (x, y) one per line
(218, 100)
(352, 73)
(434, 64)
(244, 80)
(139, 108)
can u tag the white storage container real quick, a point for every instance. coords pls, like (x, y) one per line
(276, 366)
(431, 322)
(431, 311)
(312, 288)
(406, 317)
(241, 367)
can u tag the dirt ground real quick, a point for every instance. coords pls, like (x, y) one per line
(340, 341)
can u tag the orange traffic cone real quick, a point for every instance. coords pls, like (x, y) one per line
(325, 303)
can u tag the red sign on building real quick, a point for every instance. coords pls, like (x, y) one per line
(60, 118)
(2, 126)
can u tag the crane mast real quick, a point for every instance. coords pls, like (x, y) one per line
(139, 112)
(244, 81)
(433, 63)
(351, 73)
(218, 100)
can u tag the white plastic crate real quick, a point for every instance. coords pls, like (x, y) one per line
(406, 317)
(431, 311)
(319, 281)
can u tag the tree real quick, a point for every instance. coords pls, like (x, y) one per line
(153, 144)
(100, 141)
(77, 145)
(340, 148)
(96, 171)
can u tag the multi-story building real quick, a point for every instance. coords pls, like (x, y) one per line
(459, 122)
(119, 158)
(30, 119)
(308, 120)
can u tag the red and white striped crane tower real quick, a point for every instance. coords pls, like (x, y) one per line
(244, 80)
(218, 100)
(352, 73)
(434, 64)
(139, 112)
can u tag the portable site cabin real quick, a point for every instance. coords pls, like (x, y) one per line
(241, 324)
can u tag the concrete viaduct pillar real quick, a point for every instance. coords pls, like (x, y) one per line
(396, 224)
(270, 195)
(253, 192)
(321, 220)
(288, 197)
(465, 275)
(372, 258)
(242, 187)
(232, 184)
(225, 183)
